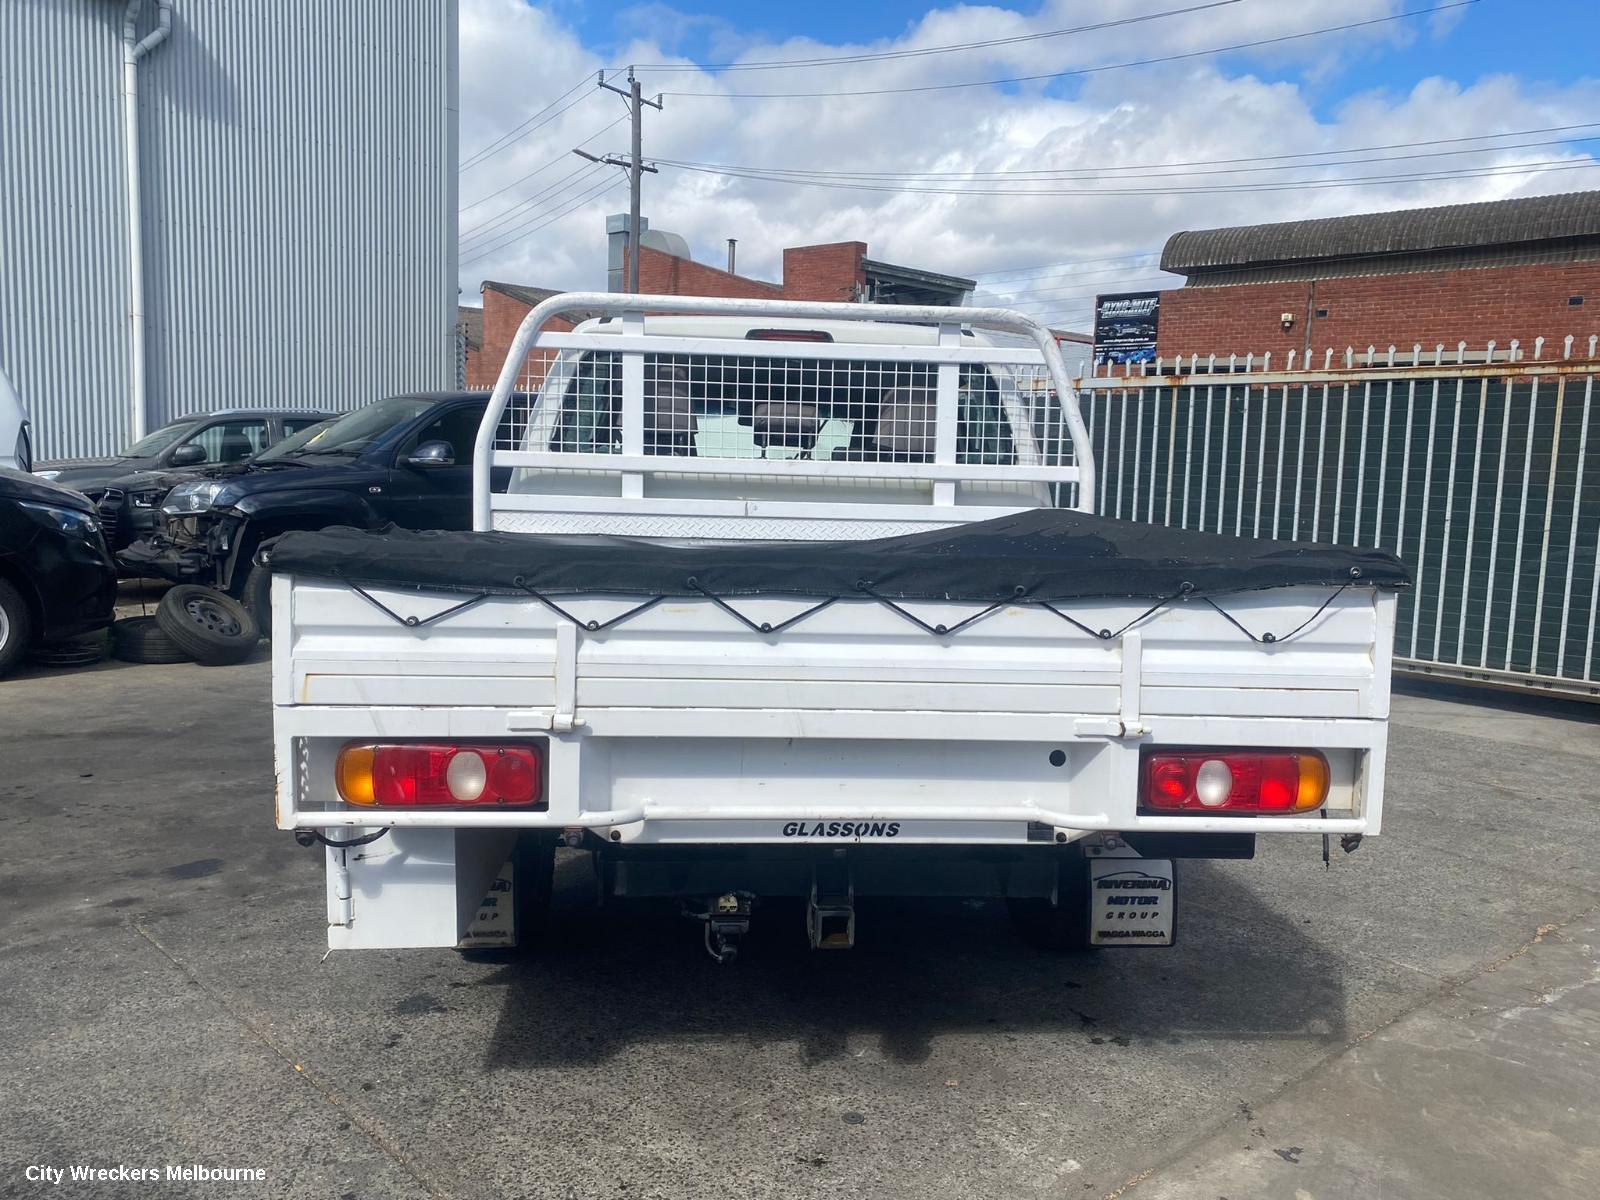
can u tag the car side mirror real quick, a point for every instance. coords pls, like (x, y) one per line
(432, 454)
(188, 455)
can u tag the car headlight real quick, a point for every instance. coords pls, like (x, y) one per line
(199, 496)
(47, 474)
(64, 520)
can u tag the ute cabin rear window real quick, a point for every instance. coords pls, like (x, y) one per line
(715, 406)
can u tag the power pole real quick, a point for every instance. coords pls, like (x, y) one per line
(634, 164)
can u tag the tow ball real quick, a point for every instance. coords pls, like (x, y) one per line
(726, 919)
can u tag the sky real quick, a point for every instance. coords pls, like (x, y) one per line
(1058, 177)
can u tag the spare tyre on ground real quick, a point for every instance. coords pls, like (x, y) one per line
(73, 652)
(142, 640)
(211, 626)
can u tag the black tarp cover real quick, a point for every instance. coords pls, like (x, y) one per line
(1040, 555)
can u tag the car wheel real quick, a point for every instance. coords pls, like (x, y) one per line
(141, 640)
(16, 627)
(1064, 923)
(257, 596)
(75, 652)
(212, 626)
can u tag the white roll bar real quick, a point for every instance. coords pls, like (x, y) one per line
(616, 304)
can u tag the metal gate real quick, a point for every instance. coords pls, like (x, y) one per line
(1477, 468)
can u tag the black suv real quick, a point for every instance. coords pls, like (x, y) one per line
(127, 487)
(405, 460)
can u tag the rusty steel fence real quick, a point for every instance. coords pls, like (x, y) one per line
(1477, 467)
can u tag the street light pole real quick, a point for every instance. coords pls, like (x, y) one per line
(634, 163)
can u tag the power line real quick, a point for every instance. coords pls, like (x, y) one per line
(475, 231)
(1076, 316)
(1069, 174)
(1061, 320)
(540, 170)
(1041, 267)
(1019, 286)
(1142, 62)
(1015, 290)
(1190, 190)
(1066, 290)
(884, 55)
(1095, 289)
(581, 201)
(532, 124)
(522, 225)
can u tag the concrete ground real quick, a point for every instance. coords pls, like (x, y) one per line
(1421, 1020)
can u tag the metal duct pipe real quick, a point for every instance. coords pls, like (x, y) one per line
(132, 51)
(732, 242)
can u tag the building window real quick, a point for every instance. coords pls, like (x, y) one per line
(1322, 312)
(1574, 301)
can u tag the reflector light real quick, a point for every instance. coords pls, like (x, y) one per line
(1254, 781)
(438, 775)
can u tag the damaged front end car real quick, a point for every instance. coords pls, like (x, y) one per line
(196, 538)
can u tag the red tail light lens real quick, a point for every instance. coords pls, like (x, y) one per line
(439, 775)
(1201, 781)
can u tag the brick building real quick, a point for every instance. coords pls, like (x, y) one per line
(469, 341)
(1496, 271)
(839, 271)
(836, 271)
(504, 306)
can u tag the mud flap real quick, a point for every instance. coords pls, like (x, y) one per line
(415, 887)
(495, 925)
(1132, 902)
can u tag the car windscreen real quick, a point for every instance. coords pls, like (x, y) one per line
(354, 432)
(152, 444)
(293, 442)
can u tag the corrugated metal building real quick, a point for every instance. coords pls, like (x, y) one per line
(298, 189)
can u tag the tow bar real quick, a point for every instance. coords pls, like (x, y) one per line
(831, 908)
(726, 919)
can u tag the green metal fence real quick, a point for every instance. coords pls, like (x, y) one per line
(1479, 469)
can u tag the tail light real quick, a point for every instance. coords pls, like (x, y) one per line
(439, 775)
(1255, 781)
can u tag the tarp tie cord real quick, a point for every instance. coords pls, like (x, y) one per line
(864, 587)
(417, 622)
(757, 626)
(1106, 635)
(581, 623)
(1269, 639)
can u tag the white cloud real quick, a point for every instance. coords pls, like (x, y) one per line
(515, 59)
